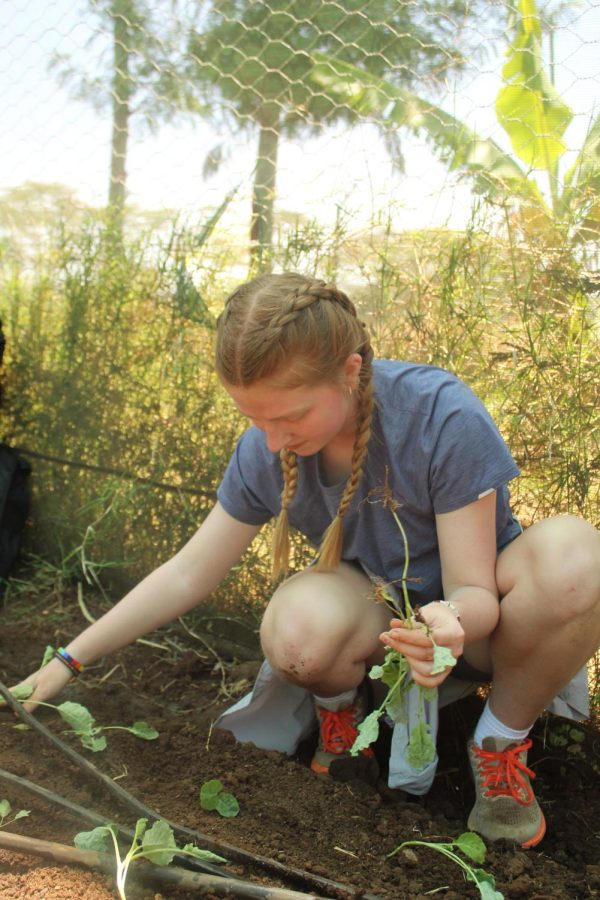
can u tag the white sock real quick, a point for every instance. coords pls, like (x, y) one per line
(340, 701)
(490, 726)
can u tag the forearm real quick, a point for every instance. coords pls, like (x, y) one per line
(170, 590)
(479, 611)
(161, 597)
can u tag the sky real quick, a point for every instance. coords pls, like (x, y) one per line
(49, 137)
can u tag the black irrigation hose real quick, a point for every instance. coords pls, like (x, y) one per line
(94, 818)
(164, 876)
(120, 473)
(286, 873)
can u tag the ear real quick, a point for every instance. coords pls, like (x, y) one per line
(352, 368)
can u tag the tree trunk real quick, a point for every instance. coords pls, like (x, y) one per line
(263, 194)
(121, 93)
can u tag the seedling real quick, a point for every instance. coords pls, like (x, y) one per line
(83, 724)
(6, 809)
(471, 845)
(213, 796)
(561, 734)
(157, 845)
(395, 672)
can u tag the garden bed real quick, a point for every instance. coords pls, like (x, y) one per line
(334, 830)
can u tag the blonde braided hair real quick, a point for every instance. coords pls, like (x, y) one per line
(300, 331)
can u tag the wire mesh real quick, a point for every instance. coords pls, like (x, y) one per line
(166, 105)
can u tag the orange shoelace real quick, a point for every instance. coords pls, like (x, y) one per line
(503, 771)
(338, 731)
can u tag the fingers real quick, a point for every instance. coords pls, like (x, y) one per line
(40, 686)
(418, 648)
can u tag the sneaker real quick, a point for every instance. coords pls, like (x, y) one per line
(505, 806)
(337, 733)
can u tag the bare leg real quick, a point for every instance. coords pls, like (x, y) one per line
(321, 629)
(549, 627)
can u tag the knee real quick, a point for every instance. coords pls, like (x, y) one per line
(565, 566)
(300, 634)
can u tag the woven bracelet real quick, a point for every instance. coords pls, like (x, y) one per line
(72, 664)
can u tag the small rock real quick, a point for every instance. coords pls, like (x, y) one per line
(409, 857)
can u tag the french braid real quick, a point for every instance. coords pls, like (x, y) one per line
(300, 331)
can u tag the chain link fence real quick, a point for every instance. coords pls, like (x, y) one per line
(168, 106)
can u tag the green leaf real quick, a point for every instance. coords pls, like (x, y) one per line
(48, 655)
(98, 839)
(487, 885)
(471, 845)
(492, 170)
(368, 732)
(212, 797)
(77, 717)
(202, 854)
(22, 691)
(227, 805)
(140, 827)
(395, 668)
(22, 814)
(557, 739)
(528, 106)
(209, 793)
(395, 706)
(143, 730)
(5, 808)
(158, 844)
(421, 748)
(429, 693)
(93, 742)
(442, 658)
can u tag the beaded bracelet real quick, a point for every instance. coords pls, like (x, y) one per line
(70, 662)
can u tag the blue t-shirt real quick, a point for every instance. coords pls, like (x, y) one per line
(433, 444)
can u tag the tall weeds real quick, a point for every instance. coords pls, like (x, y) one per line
(109, 365)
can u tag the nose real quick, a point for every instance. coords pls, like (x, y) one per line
(277, 439)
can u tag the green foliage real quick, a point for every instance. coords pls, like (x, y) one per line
(531, 111)
(156, 844)
(6, 810)
(257, 57)
(395, 674)
(528, 106)
(561, 734)
(471, 846)
(83, 724)
(110, 368)
(214, 797)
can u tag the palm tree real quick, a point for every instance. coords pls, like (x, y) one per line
(532, 113)
(259, 57)
(142, 81)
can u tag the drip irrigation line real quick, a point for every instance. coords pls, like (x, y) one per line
(164, 876)
(120, 473)
(244, 857)
(96, 819)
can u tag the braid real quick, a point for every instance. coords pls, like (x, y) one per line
(299, 300)
(332, 543)
(281, 537)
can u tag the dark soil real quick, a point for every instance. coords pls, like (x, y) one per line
(342, 831)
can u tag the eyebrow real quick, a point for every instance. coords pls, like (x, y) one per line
(290, 414)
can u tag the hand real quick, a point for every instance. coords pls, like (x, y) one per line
(415, 644)
(46, 682)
